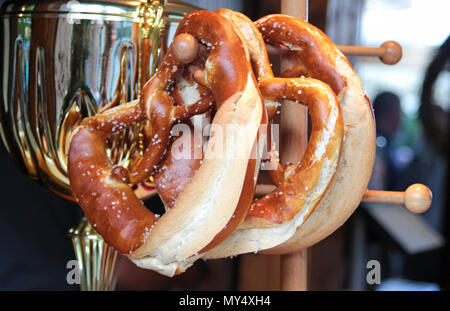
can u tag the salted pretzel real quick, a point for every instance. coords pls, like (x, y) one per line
(312, 54)
(202, 216)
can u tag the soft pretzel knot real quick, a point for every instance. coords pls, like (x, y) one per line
(315, 197)
(217, 197)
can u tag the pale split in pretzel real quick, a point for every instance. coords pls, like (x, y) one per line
(202, 216)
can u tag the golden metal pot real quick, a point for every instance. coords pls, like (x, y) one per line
(62, 61)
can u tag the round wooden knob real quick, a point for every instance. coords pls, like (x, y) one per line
(185, 48)
(393, 52)
(418, 198)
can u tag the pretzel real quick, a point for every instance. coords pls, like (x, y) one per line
(312, 54)
(202, 216)
(295, 183)
(313, 198)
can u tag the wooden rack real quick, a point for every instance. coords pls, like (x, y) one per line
(417, 198)
(294, 127)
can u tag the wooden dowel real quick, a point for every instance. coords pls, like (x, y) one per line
(390, 52)
(294, 271)
(293, 129)
(362, 50)
(185, 48)
(417, 198)
(379, 196)
(200, 77)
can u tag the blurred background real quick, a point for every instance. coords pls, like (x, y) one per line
(411, 106)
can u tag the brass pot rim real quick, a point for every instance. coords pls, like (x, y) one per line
(27, 8)
(81, 15)
(126, 8)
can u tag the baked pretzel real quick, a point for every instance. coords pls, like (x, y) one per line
(202, 216)
(312, 54)
(296, 183)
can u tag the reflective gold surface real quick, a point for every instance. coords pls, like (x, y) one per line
(61, 67)
(62, 61)
(97, 261)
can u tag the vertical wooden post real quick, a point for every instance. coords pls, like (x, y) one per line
(293, 134)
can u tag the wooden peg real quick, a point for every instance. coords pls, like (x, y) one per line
(390, 52)
(294, 127)
(185, 48)
(417, 198)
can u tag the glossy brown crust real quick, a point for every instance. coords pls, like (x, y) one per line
(286, 201)
(254, 41)
(358, 153)
(178, 172)
(229, 68)
(182, 112)
(162, 112)
(110, 206)
(230, 79)
(179, 165)
(262, 70)
(256, 47)
(307, 47)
